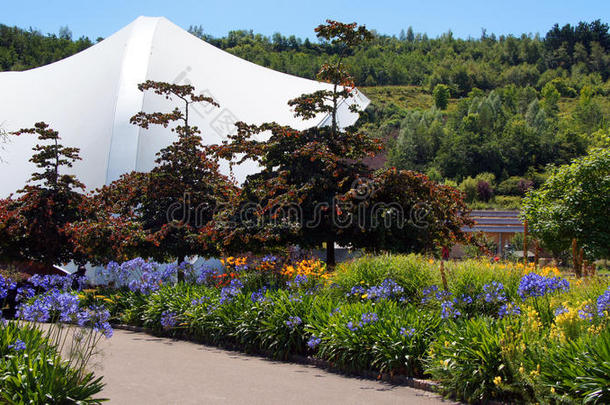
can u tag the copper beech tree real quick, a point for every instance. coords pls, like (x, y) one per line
(292, 200)
(32, 226)
(308, 192)
(160, 214)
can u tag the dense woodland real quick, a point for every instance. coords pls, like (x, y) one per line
(494, 110)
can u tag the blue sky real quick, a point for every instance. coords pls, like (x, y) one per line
(464, 18)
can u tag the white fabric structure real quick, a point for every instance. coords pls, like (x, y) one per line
(90, 97)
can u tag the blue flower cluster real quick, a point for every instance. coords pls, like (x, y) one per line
(586, 313)
(299, 281)
(365, 319)
(313, 342)
(368, 317)
(293, 322)
(57, 306)
(24, 293)
(388, 289)
(603, 304)
(535, 285)
(466, 299)
(295, 298)
(432, 292)
(53, 306)
(560, 310)
(269, 259)
(168, 319)
(98, 317)
(494, 292)
(231, 291)
(47, 282)
(6, 284)
(18, 345)
(407, 332)
(448, 309)
(509, 309)
(140, 275)
(259, 296)
(201, 300)
(206, 276)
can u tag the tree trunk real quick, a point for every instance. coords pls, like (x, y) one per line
(330, 252)
(180, 271)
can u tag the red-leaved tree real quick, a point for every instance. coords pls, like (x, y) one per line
(32, 226)
(292, 200)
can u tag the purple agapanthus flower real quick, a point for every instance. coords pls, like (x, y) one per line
(407, 332)
(18, 345)
(535, 285)
(293, 322)
(313, 342)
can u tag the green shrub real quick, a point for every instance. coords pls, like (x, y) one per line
(575, 371)
(468, 362)
(411, 272)
(469, 187)
(395, 339)
(37, 374)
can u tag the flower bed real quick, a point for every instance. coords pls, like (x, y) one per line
(45, 351)
(497, 331)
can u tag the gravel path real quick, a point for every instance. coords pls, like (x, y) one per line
(143, 369)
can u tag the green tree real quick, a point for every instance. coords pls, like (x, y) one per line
(574, 203)
(441, 96)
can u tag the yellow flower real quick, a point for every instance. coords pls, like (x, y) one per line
(364, 296)
(446, 343)
(552, 390)
(498, 380)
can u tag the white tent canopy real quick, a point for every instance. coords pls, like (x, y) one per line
(90, 97)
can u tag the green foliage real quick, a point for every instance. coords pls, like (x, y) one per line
(480, 355)
(26, 49)
(419, 137)
(411, 272)
(441, 96)
(573, 204)
(37, 374)
(379, 345)
(577, 370)
(468, 357)
(468, 186)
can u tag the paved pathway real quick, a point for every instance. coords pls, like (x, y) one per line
(143, 369)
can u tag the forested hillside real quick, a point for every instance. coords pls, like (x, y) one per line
(488, 113)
